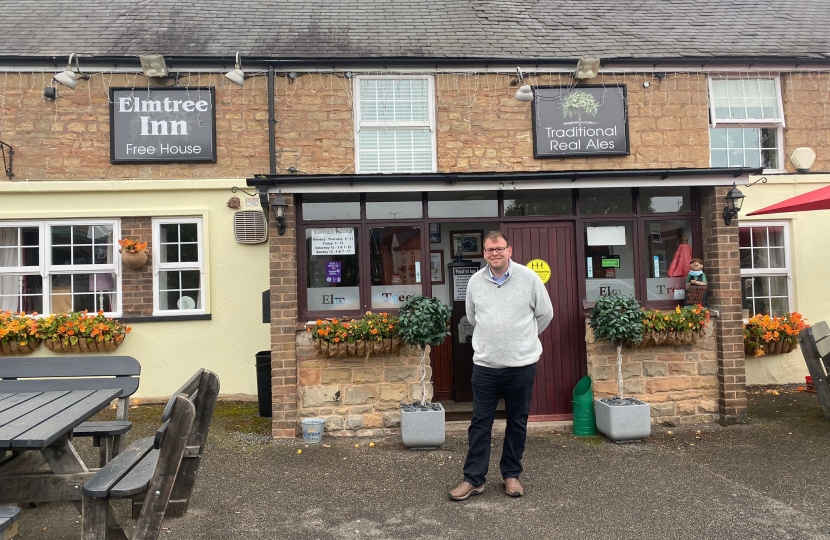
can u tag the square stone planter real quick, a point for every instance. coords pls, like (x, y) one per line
(623, 423)
(423, 429)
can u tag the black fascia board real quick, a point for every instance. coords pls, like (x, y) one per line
(452, 178)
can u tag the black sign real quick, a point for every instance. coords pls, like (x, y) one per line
(580, 121)
(153, 125)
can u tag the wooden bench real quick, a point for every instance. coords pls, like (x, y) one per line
(8, 516)
(80, 373)
(815, 346)
(156, 470)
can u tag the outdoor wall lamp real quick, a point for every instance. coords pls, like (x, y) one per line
(734, 200)
(236, 75)
(153, 65)
(587, 68)
(525, 92)
(68, 77)
(278, 206)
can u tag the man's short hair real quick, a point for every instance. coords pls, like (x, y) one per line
(696, 261)
(495, 236)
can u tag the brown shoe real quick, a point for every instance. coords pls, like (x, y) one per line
(465, 490)
(513, 488)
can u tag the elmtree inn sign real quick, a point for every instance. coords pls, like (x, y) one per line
(580, 121)
(153, 125)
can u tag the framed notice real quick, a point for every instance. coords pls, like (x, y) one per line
(468, 243)
(436, 266)
(590, 120)
(162, 125)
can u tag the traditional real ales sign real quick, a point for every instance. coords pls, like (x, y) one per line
(152, 125)
(580, 121)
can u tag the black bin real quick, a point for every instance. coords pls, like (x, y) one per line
(263, 382)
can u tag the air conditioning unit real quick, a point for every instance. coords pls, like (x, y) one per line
(250, 227)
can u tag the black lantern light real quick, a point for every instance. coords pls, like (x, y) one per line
(278, 205)
(734, 200)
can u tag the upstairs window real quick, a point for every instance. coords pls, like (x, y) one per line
(747, 120)
(394, 125)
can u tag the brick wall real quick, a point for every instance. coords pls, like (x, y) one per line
(137, 285)
(357, 395)
(680, 382)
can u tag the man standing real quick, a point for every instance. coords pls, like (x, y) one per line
(508, 307)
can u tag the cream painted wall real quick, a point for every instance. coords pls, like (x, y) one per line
(810, 260)
(235, 274)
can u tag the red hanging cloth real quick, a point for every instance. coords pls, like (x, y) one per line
(682, 259)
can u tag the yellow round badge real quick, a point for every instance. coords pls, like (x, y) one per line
(541, 268)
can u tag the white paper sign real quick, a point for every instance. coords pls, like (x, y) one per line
(461, 276)
(332, 241)
(606, 236)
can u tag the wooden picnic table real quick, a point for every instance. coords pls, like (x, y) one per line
(35, 429)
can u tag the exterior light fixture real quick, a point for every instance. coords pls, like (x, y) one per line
(803, 158)
(68, 77)
(587, 68)
(278, 205)
(153, 65)
(525, 92)
(734, 200)
(236, 75)
(50, 92)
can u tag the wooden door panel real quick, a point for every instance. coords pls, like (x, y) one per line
(563, 355)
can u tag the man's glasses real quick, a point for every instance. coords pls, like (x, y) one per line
(498, 250)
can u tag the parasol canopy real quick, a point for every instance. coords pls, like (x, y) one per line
(818, 199)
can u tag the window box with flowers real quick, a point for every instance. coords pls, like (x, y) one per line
(772, 335)
(133, 253)
(374, 334)
(81, 332)
(680, 326)
(18, 333)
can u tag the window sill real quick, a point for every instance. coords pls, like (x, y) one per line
(167, 318)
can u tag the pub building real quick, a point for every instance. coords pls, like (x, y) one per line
(346, 174)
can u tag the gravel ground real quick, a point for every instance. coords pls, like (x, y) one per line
(766, 478)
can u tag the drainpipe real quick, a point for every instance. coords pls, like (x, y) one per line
(272, 123)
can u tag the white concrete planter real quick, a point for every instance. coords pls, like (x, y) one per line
(423, 429)
(622, 423)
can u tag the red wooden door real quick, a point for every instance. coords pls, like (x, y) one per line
(563, 360)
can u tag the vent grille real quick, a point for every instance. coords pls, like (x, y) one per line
(250, 227)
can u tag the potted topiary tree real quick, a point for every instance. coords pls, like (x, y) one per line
(619, 319)
(423, 321)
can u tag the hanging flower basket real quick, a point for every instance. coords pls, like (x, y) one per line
(82, 345)
(14, 347)
(134, 259)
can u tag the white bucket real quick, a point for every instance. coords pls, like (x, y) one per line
(313, 429)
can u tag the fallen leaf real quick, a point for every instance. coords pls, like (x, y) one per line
(326, 446)
(670, 432)
(299, 450)
(371, 444)
(357, 446)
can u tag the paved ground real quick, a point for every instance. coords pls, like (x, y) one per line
(765, 479)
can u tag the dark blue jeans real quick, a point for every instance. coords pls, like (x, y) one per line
(515, 385)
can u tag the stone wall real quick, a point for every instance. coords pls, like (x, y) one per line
(357, 395)
(679, 382)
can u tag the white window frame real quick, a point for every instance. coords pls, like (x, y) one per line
(429, 124)
(159, 266)
(46, 269)
(763, 123)
(785, 271)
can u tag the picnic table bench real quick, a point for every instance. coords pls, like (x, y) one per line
(815, 346)
(8, 516)
(47, 374)
(157, 470)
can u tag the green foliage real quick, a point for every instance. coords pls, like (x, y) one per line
(423, 321)
(617, 319)
(579, 102)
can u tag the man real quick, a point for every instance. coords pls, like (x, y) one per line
(508, 307)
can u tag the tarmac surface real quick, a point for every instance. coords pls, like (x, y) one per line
(767, 478)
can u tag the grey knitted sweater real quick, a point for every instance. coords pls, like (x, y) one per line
(508, 318)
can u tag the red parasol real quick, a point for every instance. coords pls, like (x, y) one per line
(814, 200)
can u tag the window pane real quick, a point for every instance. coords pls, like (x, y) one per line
(538, 203)
(395, 258)
(719, 158)
(395, 150)
(451, 204)
(609, 261)
(179, 290)
(775, 236)
(394, 206)
(667, 258)
(76, 244)
(77, 292)
(330, 207)
(21, 293)
(19, 246)
(751, 99)
(333, 280)
(673, 199)
(766, 295)
(605, 201)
